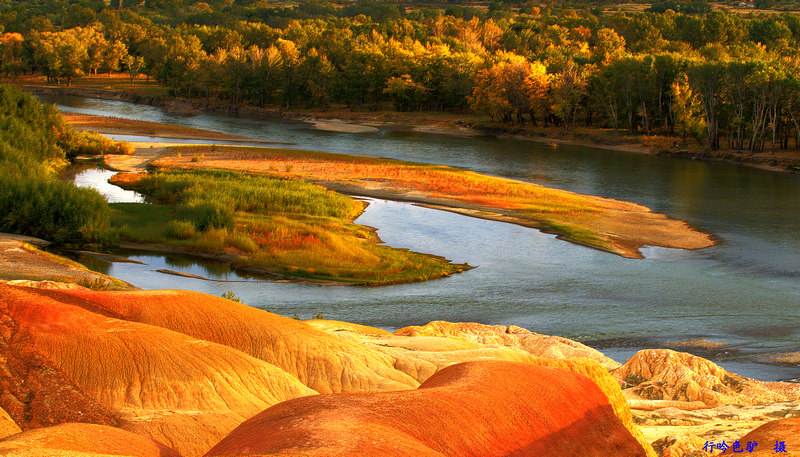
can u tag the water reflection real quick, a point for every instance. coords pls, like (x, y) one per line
(143, 271)
(97, 178)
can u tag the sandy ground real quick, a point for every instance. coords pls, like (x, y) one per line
(626, 230)
(145, 153)
(119, 126)
(21, 261)
(335, 125)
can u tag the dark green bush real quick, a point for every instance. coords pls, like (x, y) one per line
(33, 142)
(207, 215)
(53, 210)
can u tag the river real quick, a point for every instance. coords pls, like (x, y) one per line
(744, 292)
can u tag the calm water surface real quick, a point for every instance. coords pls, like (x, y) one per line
(744, 291)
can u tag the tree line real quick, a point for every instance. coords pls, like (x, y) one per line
(726, 79)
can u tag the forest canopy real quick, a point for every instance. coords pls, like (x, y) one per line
(673, 67)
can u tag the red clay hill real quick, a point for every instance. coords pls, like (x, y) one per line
(473, 409)
(185, 369)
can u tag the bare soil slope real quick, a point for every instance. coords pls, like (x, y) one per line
(479, 409)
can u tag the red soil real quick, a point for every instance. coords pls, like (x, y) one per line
(67, 439)
(35, 392)
(321, 361)
(481, 409)
(769, 435)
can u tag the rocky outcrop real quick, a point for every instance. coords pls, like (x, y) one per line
(34, 392)
(7, 425)
(76, 440)
(552, 347)
(180, 390)
(422, 356)
(331, 326)
(663, 374)
(481, 409)
(20, 260)
(680, 446)
(185, 368)
(722, 423)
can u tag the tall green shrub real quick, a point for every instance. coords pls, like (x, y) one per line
(34, 140)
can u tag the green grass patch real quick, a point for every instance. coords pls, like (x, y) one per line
(578, 235)
(140, 222)
(279, 226)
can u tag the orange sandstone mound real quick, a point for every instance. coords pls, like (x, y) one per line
(34, 392)
(185, 376)
(182, 391)
(553, 347)
(422, 351)
(486, 408)
(421, 356)
(75, 440)
(772, 434)
(7, 425)
(320, 361)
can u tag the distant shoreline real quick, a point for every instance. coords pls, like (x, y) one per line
(436, 124)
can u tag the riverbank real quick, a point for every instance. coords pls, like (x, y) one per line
(121, 126)
(452, 124)
(618, 227)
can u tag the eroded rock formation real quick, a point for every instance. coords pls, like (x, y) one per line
(420, 355)
(779, 437)
(663, 374)
(180, 390)
(76, 440)
(34, 392)
(320, 361)
(552, 347)
(185, 369)
(484, 409)
(7, 425)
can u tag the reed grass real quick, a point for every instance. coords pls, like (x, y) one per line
(284, 227)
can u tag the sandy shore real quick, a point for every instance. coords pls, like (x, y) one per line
(144, 153)
(628, 236)
(121, 126)
(336, 125)
(20, 260)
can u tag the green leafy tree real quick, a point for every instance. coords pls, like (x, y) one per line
(61, 55)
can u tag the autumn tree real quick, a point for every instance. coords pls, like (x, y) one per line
(707, 81)
(687, 108)
(12, 61)
(405, 93)
(133, 66)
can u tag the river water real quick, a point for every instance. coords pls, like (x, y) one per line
(744, 292)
